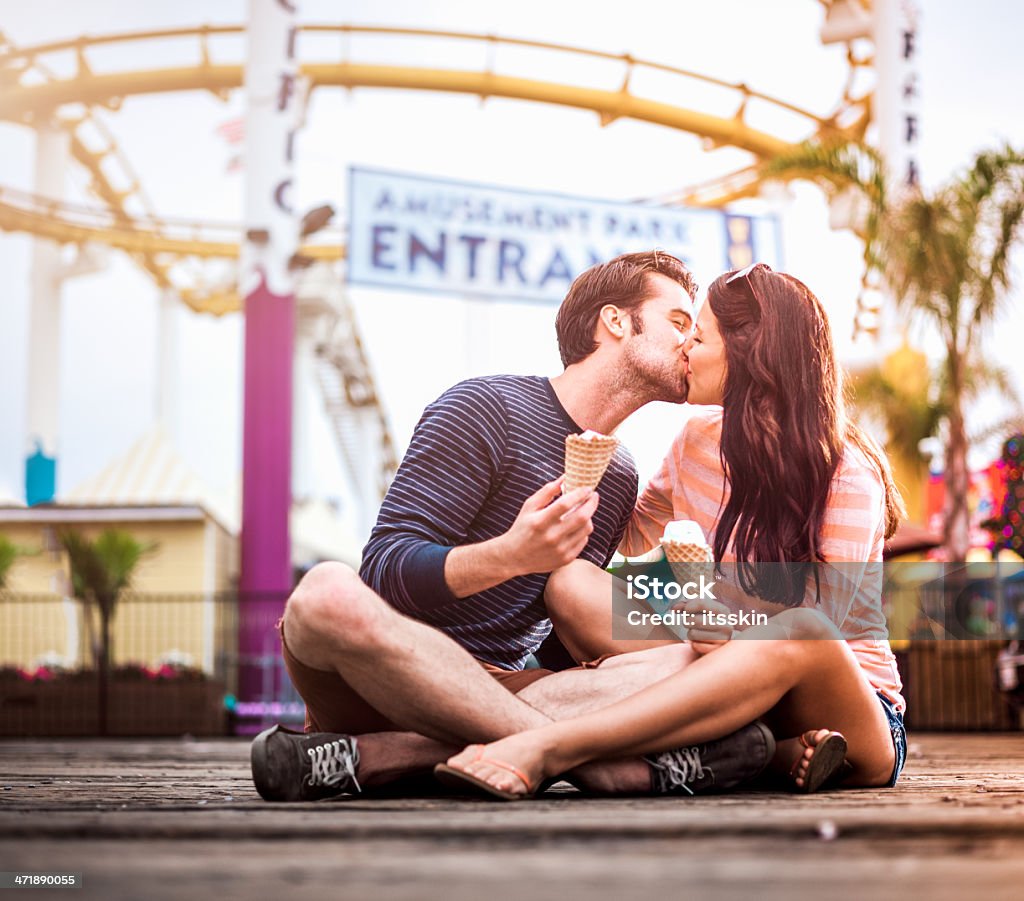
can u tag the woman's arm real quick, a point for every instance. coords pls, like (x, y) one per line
(645, 527)
(654, 508)
(852, 537)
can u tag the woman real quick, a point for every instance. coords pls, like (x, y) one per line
(778, 475)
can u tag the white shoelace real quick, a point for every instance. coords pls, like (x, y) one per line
(678, 767)
(333, 763)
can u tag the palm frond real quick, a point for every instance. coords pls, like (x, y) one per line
(119, 553)
(991, 171)
(837, 166)
(1009, 426)
(924, 256)
(85, 569)
(8, 555)
(841, 164)
(102, 569)
(982, 375)
(993, 279)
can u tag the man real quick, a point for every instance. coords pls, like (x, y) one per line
(460, 555)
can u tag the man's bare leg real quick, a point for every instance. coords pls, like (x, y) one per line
(575, 692)
(387, 756)
(413, 674)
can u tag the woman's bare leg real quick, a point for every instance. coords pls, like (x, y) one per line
(804, 684)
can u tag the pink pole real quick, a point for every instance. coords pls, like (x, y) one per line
(267, 444)
(266, 493)
(270, 241)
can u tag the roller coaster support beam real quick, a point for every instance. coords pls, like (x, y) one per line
(52, 157)
(270, 242)
(168, 341)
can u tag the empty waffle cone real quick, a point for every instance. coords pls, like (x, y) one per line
(586, 460)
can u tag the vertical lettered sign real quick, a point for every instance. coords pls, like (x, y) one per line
(898, 92)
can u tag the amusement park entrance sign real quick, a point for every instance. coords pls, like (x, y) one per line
(413, 233)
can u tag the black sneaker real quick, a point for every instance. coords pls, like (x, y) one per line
(295, 766)
(715, 765)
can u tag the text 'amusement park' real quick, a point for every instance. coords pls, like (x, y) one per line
(462, 449)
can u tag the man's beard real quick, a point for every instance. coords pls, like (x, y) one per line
(653, 381)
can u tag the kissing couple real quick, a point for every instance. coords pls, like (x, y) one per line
(418, 662)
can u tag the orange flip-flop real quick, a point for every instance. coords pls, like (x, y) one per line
(829, 755)
(453, 777)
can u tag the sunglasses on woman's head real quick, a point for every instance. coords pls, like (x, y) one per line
(743, 273)
(754, 301)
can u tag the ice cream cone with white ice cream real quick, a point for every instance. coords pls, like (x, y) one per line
(684, 542)
(586, 458)
(687, 550)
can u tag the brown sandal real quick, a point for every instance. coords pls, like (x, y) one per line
(829, 755)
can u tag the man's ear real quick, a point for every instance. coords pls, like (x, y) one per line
(613, 319)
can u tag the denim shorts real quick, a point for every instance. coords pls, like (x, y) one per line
(899, 736)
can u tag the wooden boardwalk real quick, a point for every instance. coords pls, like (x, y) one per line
(180, 819)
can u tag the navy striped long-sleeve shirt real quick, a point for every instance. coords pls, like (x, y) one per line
(478, 452)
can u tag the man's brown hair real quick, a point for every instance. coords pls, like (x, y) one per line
(622, 282)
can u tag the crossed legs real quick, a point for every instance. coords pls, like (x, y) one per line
(794, 684)
(422, 681)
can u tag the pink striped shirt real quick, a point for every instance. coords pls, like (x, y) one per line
(691, 485)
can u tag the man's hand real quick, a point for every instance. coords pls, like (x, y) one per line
(705, 637)
(549, 531)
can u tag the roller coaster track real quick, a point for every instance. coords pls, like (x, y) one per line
(31, 94)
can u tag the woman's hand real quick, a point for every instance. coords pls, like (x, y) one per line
(706, 634)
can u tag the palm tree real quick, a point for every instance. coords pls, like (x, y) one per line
(945, 258)
(8, 554)
(100, 571)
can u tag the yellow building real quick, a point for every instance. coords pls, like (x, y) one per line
(181, 605)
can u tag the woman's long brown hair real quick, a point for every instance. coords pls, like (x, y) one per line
(784, 430)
